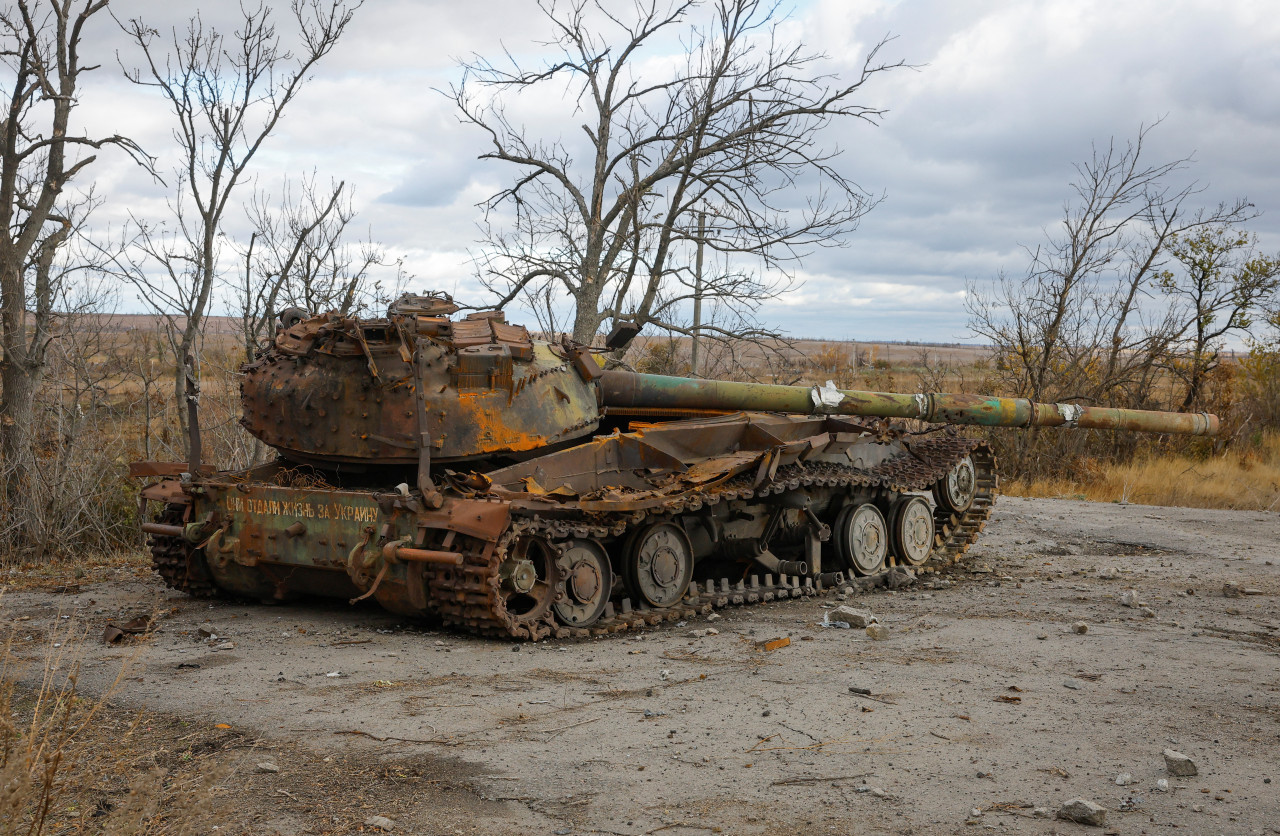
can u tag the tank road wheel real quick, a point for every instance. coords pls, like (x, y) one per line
(911, 530)
(864, 538)
(659, 565)
(588, 580)
(528, 579)
(956, 490)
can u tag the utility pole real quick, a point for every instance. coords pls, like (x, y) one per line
(697, 295)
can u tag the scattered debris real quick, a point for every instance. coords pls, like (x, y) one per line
(116, 632)
(865, 694)
(1178, 764)
(1162, 785)
(1082, 811)
(268, 766)
(380, 822)
(1124, 779)
(773, 644)
(1080, 627)
(877, 631)
(1231, 590)
(224, 646)
(816, 779)
(1129, 598)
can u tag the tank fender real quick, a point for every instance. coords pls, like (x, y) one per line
(485, 519)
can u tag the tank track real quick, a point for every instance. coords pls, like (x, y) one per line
(176, 560)
(469, 597)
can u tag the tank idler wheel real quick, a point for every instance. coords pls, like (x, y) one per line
(659, 565)
(863, 538)
(911, 530)
(588, 580)
(956, 490)
(528, 579)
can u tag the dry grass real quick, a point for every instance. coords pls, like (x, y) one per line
(70, 573)
(1247, 479)
(71, 764)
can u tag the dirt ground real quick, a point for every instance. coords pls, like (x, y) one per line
(984, 704)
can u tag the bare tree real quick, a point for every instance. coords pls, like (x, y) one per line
(1222, 283)
(1078, 325)
(40, 157)
(227, 94)
(299, 256)
(731, 134)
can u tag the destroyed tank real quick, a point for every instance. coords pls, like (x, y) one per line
(458, 469)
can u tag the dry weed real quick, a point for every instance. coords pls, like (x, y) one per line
(66, 766)
(1246, 479)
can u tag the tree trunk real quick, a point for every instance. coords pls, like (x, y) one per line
(587, 316)
(19, 379)
(17, 431)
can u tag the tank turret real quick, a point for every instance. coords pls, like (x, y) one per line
(342, 390)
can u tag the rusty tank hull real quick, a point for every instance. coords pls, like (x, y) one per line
(407, 477)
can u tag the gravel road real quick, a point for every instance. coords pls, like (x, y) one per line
(984, 709)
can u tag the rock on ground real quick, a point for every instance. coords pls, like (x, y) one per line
(856, 618)
(1179, 764)
(1083, 812)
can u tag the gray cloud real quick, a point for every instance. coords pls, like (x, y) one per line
(974, 155)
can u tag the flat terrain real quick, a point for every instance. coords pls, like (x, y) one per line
(983, 702)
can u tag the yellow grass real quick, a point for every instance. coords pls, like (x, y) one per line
(1247, 479)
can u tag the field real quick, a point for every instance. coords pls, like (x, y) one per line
(983, 710)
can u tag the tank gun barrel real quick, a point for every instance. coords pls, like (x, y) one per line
(659, 392)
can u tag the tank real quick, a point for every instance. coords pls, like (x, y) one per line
(460, 470)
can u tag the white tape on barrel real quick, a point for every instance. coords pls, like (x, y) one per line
(826, 398)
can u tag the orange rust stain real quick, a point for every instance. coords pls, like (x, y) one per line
(493, 433)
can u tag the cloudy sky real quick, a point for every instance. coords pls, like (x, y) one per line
(973, 157)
